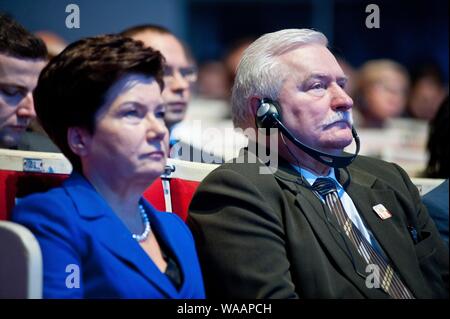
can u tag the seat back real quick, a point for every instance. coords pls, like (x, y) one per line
(178, 185)
(21, 263)
(23, 173)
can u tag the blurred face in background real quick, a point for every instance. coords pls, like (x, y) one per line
(425, 98)
(18, 78)
(179, 74)
(386, 96)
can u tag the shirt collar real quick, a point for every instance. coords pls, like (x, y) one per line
(311, 177)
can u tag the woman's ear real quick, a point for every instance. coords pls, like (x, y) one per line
(79, 140)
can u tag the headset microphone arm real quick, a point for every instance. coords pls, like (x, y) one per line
(325, 158)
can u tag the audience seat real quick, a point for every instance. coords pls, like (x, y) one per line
(177, 186)
(21, 263)
(23, 173)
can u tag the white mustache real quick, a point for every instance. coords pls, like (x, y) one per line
(339, 116)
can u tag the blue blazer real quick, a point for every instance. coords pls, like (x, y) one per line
(89, 253)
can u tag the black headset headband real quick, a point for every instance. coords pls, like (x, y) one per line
(268, 116)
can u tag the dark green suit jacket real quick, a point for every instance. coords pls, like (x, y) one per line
(269, 236)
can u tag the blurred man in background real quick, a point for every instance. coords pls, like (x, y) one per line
(22, 57)
(179, 72)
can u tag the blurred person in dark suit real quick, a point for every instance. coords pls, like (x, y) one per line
(438, 150)
(438, 167)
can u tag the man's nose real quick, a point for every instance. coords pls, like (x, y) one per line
(26, 107)
(341, 101)
(178, 83)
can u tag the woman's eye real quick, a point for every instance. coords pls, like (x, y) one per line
(131, 113)
(11, 92)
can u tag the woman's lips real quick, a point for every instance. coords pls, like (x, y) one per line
(155, 154)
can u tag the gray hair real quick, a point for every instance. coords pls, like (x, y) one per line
(261, 74)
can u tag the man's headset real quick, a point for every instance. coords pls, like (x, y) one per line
(268, 116)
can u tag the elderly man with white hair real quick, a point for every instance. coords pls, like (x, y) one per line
(323, 223)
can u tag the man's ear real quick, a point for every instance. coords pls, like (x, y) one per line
(255, 102)
(79, 140)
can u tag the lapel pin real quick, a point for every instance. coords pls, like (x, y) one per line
(382, 212)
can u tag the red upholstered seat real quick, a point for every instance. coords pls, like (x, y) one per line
(181, 192)
(15, 184)
(172, 192)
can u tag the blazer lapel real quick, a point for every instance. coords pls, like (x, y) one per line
(390, 233)
(105, 226)
(170, 241)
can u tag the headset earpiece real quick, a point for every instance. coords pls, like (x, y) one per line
(267, 114)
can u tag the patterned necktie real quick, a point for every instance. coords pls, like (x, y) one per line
(390, 281)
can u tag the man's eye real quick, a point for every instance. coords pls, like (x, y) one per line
(342, 85)
(188, 71)
(160, 114)
(318, 86)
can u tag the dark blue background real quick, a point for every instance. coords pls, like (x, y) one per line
(410, 32)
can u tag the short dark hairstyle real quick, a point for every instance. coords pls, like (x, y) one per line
(73, 86)
(132, 31)
(17, 42)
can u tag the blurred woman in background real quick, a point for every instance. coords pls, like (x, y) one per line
(381, 93)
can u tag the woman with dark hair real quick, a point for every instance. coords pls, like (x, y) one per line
(100, 101)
